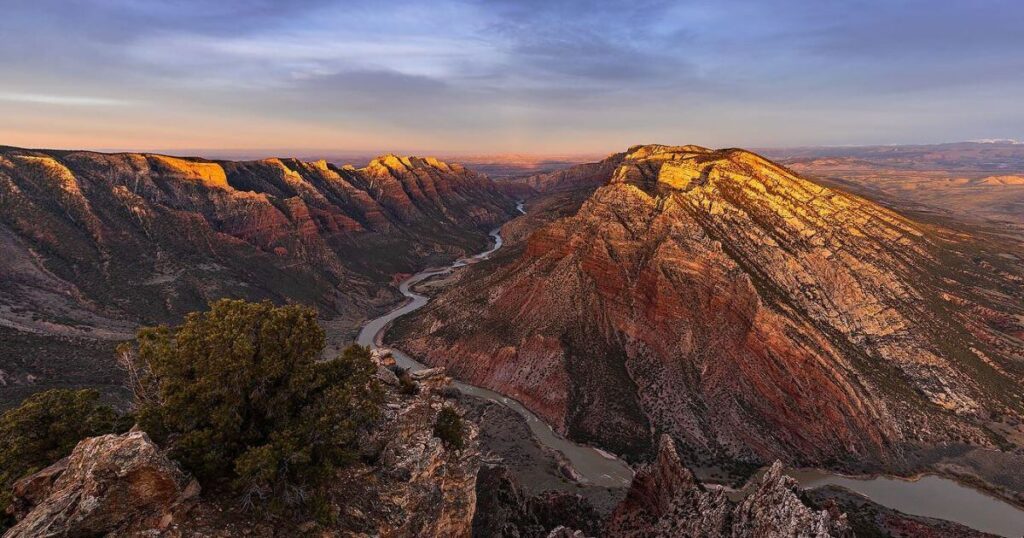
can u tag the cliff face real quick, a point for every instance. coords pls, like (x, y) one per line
(748, 312)
(94, 244)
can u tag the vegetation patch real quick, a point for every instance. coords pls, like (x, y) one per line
(449, 428)
(45, 428)
(239, 397)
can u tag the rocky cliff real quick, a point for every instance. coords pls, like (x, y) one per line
(666, 500)
(746, 311)
(94, 244)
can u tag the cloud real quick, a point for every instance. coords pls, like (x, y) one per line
(534, 72)
(63, 100)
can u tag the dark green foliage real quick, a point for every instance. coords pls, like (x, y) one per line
(449, 428)
(45, 428)
(406, 384)
(239, 397)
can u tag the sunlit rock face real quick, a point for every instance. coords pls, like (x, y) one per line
(746, 311)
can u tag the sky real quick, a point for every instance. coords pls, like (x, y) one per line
(499, 76)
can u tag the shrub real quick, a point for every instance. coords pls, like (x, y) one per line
(449, 428)
(45, 428)
(406, 384)
(240, 399)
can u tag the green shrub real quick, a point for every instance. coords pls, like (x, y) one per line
(449, 428)
(239, 397)
(45, 428)
(406, 384)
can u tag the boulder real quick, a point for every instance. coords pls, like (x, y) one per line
(111, 485)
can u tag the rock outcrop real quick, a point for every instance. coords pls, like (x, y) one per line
(409, 484)
(666, 500)
(418, 487)
(749, 312)
(109, 485)
(773, 509)
(665, 497)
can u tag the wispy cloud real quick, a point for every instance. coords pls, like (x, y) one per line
(63, 100)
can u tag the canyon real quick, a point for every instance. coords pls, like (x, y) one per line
(97, 244)
(700, 313)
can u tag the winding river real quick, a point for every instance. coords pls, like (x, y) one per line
(929, 496)
(594, 466)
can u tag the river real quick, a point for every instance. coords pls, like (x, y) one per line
(929, 496)
(594, 466)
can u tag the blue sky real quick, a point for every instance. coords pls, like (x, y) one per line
(506, 76)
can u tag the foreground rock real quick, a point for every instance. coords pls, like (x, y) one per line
(114, 484)
(409, 484)
(666, 500)
(417, 487)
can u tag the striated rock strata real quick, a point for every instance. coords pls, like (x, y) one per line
(748, 312)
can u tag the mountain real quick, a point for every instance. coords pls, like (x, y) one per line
(748, 312)
(95, 244)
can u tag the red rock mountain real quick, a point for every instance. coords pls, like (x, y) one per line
(96, 243)
(746, 311)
